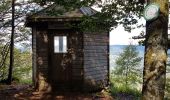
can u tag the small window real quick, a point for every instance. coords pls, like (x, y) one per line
(60, 44)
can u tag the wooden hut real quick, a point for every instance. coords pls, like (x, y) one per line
(65, 57)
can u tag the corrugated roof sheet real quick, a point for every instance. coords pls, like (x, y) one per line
(88, 11)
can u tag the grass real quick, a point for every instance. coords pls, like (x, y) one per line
(25, 81)
(122, 92)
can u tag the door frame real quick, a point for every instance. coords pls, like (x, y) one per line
(51, 34)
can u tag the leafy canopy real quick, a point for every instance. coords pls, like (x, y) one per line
(112, 13)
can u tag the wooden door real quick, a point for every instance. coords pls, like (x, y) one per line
(60, 69)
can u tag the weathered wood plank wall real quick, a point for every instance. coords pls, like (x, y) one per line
(96, 59)
(76, 44)
(42, 59)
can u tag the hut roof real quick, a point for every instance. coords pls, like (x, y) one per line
(58, 13)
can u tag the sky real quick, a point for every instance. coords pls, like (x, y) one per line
(119, 36)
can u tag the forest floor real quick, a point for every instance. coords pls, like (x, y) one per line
(26, 92)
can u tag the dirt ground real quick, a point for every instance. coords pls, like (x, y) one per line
(26, 92)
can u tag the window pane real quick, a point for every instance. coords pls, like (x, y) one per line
(64, 44)
(56, 44)
(60, 44)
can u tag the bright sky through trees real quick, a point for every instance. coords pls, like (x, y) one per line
(119, 36)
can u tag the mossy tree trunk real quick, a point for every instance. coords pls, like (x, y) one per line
(154, 75)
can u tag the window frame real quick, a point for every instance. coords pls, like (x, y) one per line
(59, 40)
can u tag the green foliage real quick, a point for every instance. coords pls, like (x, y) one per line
(121, 91)
(4, 5)
(167, 88)
(113, 12)
(22, 65)
(69, 4)
(4, 61)
(22, 69)
(25, 81)
(22, 7)
(127, 68)
(127, 74)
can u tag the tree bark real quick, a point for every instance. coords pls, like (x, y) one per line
(154, 74)
(9, 79)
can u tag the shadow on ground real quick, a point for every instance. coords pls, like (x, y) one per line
(25, 92)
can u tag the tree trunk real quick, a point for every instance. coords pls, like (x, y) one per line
(126, 76)
(9, 80)
(154, 75)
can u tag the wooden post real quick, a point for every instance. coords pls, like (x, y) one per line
(154, 75)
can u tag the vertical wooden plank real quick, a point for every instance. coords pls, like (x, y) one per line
(34, 65)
